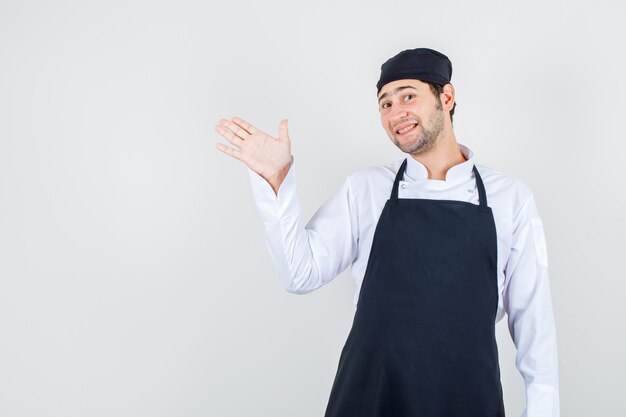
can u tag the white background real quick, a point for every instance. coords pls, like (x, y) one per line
(134, 278)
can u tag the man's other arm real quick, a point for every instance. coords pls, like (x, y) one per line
(527, 300)
(306, 257)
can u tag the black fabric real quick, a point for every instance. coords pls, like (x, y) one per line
(422, 342)
(418, 64)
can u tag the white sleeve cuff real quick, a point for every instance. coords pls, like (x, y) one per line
(272, 207)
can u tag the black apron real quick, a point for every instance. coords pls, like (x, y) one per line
(422, 342)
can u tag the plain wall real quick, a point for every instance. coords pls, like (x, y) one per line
(134, 277)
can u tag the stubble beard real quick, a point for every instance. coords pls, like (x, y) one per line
(427, 136)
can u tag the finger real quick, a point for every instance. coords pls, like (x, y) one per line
(232, 138)
(235, 153)
(283, 131)
(245, 125)
(235, 129)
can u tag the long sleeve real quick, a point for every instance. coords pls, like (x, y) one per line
(527, 300)
(306, 257)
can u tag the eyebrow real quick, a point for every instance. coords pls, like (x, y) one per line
(395, 91)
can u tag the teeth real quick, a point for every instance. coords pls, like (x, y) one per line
(406, 129)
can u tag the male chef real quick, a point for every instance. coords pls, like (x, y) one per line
(440, 246)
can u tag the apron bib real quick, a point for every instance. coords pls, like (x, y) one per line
(422, 342)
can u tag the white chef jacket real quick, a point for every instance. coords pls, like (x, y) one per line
(340, 234)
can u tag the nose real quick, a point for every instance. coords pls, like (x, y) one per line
(398, 114)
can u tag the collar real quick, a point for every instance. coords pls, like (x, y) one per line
(415, 170)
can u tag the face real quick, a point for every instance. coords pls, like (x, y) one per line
(411, 115)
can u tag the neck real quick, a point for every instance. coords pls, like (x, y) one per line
(443, 156)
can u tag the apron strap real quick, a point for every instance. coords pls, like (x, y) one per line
(482, 195)
(399, 175)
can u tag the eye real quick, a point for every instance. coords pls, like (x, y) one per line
(409, 95)
(384, 105)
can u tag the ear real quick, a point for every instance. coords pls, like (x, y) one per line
(447, 97)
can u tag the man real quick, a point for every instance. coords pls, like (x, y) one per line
(440, 248)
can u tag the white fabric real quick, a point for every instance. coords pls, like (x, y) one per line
(340, 234)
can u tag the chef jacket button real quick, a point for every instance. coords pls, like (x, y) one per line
(403, 186)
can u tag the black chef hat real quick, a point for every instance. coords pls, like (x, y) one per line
(418, 64)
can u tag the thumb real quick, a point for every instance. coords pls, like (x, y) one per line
(283, 133)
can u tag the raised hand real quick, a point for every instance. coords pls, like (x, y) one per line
(267, 156)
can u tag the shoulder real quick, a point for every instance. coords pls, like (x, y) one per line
(383, 171)
(374, 177)
(507, 191)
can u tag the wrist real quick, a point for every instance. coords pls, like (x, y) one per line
(277, 179)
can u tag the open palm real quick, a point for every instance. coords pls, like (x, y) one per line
(262, 153)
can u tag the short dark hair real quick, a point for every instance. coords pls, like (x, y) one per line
(438, 89)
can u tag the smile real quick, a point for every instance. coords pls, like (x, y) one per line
(405, 130)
